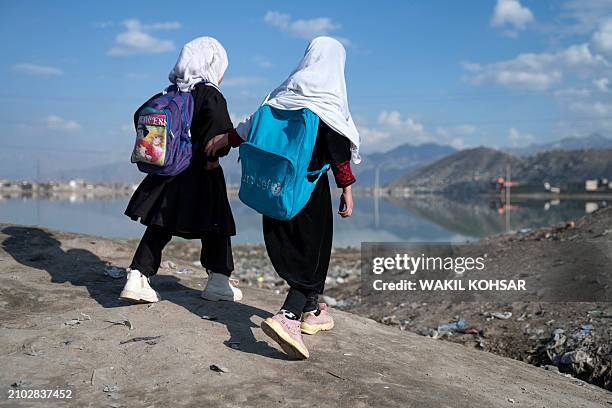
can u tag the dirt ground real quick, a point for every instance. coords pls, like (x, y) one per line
(62, 327)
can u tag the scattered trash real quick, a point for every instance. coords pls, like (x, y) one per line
(218, 368)
(85, 316)
(125, 323)
(22, 384)
(451, 327)
(114, 272)
(197, 264)
(575, 357)
(499, 315)
(72, 322)
(93, 377)
(68, 342)
(510, 400)
(184, 270)
(586, 330)
(468, 330)
(110, 388)
(403, 324)
(29, 351)
(151, 340)
(347, 354)
(211, 318)
(168, 265)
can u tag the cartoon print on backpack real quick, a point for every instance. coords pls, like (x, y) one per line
(151, 140)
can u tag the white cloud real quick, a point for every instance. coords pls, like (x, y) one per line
(602, 39)
(242, 81)
(263, 62)
(517, 138)
(602, 84)
(371, 136)
(138, 40)
(37, 70)
(307, 29)
(55, 122)
(581, 16)
(538, 71)
(512, 13)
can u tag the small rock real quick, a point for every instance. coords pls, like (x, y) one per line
(110, 388)
(218, 368)
(510, 400)
(168, 265)
(330, 301)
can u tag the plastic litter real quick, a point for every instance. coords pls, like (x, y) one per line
(184, 270)
(586, 330)
(451, 327)
(499, 315)
(211, 318)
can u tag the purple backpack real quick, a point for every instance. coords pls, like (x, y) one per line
(163, 141)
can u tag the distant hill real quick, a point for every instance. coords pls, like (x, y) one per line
(398, 161)
(593, 141)
(472, 170)
(468, 168)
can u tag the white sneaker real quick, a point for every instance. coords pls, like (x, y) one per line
(221, 287)
(137, 288)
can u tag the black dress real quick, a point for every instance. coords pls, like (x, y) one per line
(300, 248)
(193, 203)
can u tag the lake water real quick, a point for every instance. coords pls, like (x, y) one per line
(421, 220)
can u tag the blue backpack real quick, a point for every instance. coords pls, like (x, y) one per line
(163, 142)
(275, 158)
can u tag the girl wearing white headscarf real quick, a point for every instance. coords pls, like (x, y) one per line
(300, 248)
(192, 204)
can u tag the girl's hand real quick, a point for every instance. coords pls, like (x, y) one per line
(211, 165)
(346, 202)
(216, 143)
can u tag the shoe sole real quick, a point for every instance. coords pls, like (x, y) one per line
(315, 328)
(214, 297)
(275, 331)
(135, 297)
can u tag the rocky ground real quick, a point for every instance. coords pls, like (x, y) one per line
(573, 338)
(63, 327)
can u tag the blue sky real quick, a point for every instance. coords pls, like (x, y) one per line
(499, 73)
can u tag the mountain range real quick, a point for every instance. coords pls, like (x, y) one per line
(472, 170)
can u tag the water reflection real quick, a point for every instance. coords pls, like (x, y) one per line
(424, 219)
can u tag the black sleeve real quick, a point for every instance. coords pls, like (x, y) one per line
(338, 147)
(210, 118)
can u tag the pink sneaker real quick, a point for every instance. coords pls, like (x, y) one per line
(286, 333)
(311, 323)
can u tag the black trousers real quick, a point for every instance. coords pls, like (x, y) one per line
(300, 248)
(216, 255)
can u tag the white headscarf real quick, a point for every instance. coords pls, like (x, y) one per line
(318, 84)
(202, 59)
